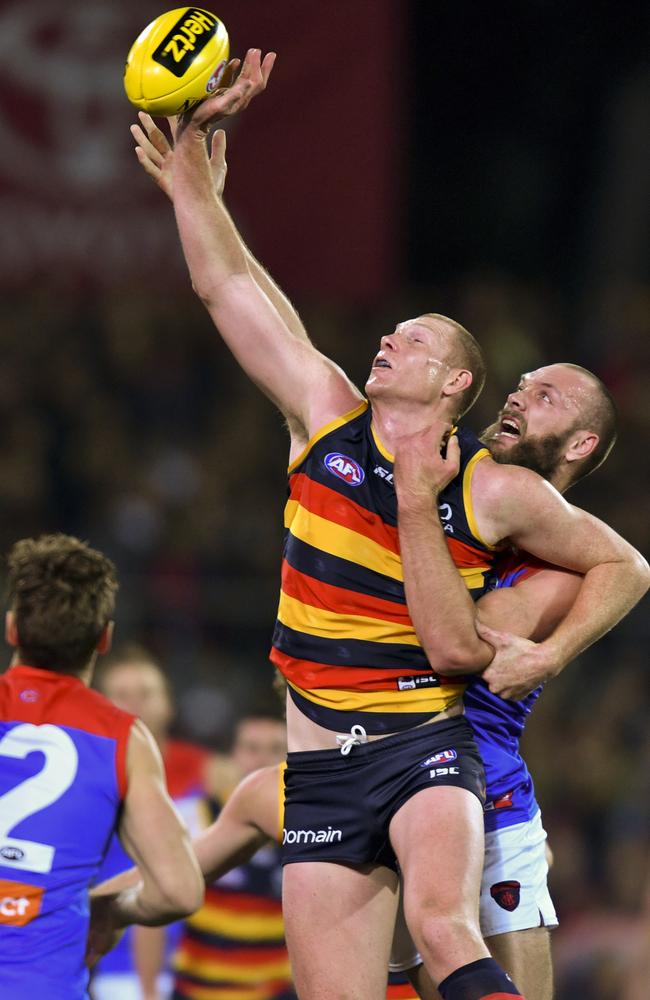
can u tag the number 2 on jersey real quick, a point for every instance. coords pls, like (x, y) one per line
(34, 793)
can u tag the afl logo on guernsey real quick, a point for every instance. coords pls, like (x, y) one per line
(345, 468)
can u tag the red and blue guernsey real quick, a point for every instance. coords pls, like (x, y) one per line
(343, 638)
(62, 782)
(499, 725)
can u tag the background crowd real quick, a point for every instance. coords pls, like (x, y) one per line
(518, 204)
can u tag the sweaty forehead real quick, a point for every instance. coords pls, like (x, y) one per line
(436, 331)
(574, 387)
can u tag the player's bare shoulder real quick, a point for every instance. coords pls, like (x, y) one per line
(502, 494)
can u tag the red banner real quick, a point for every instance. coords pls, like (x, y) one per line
(314, 177)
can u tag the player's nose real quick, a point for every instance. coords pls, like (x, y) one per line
(517, 400)
(388, 342)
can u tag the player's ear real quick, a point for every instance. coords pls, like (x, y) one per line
(458, 380)
(11, 631)
(581, 444)
(105, 640)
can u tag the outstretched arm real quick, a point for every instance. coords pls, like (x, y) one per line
(307, 387)
(249, 819)
(156, 155)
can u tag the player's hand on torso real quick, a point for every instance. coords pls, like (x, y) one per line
(519, 665)
(103, 935)
(421, 470)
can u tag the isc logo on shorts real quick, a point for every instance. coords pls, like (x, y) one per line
(19, 903)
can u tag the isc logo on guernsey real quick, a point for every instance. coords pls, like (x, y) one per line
(328, 836)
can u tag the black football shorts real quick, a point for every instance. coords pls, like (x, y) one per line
(338, 808)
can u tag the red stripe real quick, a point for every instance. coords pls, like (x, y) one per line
(308, 674)
(240, 902)
(502, 996)
(466, 556)
(317, 594)
(401, 991)
(264, 955)
(331, 506)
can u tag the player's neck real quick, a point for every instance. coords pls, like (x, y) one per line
(85, 675)
(392, 419)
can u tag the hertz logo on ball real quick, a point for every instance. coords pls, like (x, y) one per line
(177, 61)
(186, 40)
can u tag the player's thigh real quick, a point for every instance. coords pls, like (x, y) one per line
(339, 924)
(526, 957)
(437, 836)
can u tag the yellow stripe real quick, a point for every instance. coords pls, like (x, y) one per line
(282, 768)
(419, 700)
(384, 450)
(263, 992)
(467, 496)
(474, 578)
(380, 447)
(228, 992)
(339, 541)
(239, 926)
(328, 625)
(211, 968)
(333, 424)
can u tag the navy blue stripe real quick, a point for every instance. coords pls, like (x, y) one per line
(348, 652)
(341, 572)
(214, 940)
(374, 723)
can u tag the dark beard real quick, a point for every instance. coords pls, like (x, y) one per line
(542, 455)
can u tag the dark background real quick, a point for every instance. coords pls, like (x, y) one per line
(490, 162)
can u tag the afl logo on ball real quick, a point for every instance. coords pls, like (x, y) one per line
(215, 79)
(345, 468)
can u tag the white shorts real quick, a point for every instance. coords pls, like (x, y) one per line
(125, 986)
(514, 890)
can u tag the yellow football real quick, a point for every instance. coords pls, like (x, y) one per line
(177, 61)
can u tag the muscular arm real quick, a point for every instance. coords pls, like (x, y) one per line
(153, 834)
(515, 504)
(156, 155)
(249, 819)
(440, 606)
(307, 387)
(533, 608)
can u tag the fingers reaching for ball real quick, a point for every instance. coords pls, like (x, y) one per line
(251, 80)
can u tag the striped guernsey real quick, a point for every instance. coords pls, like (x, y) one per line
(343, 637)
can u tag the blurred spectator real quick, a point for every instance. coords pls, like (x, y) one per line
(234, 945)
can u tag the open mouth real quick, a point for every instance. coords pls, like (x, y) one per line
(509, 427)
(380, 363)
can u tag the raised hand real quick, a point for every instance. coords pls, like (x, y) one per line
(252, 80)
(421, 470)
(155, 154)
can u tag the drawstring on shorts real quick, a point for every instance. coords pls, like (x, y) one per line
(354, 738)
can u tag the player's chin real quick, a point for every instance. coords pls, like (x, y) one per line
(499, 447)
